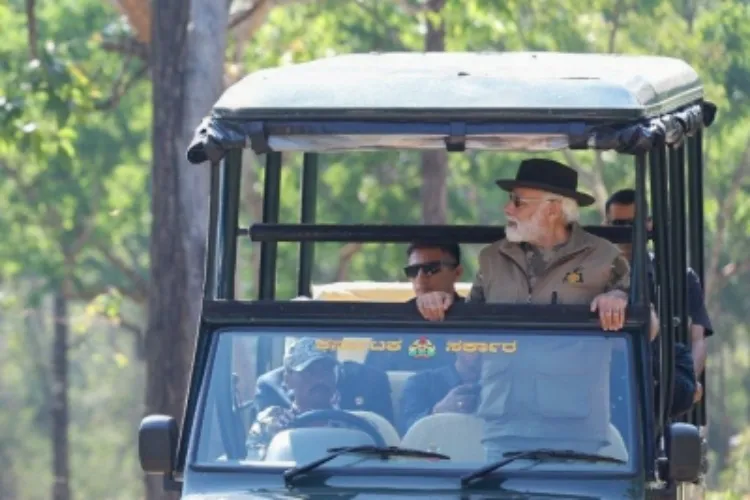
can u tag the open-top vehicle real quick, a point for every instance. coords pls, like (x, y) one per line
(651, 108)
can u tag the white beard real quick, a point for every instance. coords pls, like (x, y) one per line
(524, 232)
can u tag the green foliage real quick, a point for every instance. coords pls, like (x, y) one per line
(74, 194)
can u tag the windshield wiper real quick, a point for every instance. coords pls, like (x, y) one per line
(384, 452)
(540, 455)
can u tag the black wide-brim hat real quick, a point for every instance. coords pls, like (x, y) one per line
(550, 176)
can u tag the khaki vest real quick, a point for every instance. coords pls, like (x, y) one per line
(558, 387)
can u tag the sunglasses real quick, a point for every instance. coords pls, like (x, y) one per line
(624, 222)
(519, 201)
(427, 268)
(621, 222)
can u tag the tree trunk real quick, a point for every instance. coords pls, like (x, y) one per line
(434, 163)
(59, 408)
(187, 72)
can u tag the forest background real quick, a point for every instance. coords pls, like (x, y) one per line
(97, 102)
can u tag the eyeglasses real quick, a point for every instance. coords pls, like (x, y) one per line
(519, 201)
(625, 222)
(427, 268)
(621, 222)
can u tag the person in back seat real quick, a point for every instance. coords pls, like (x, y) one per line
(451, 389)
(431, 267)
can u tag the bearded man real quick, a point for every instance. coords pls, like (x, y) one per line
(554, 391)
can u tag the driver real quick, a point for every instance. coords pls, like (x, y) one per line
(310, 376)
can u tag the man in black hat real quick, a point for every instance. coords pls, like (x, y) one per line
(555, 393)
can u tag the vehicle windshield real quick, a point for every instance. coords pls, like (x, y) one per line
(284, 398)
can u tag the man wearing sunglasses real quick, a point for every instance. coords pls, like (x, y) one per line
(434, 268)
(453, 385)
(547, 257)
(430, 267)
(620, 211)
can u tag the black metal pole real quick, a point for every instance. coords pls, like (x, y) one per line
(677, 225)
(666, 337)
(210, 284)
(271, 206)
(222, 227)
(307, 216)
(696, 240)
(695, 182)
(661, 273)
(639, 287)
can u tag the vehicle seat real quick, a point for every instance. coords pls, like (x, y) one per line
(460, 436)
(616, 447)
(397, 380)
(455, 434)
(384, 427)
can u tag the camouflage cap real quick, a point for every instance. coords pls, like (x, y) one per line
(303, 352)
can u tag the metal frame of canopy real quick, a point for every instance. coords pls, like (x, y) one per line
(659, 143)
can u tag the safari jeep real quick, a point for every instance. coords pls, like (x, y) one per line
(245, 435)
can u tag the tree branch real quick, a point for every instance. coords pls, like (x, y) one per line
(31, 25)
(140, 285)
(346, 254)
(410, 9)
(729, 271)
(392, 33)
(128, 47)
(252, 18)
(724, 216)
(617, 12)
(119, 89)
(33, 198)
(594, 180)
(247, 14)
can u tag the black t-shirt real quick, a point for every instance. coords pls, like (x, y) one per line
(402, 361)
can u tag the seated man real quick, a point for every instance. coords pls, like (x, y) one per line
(310, 375)
(452, 388)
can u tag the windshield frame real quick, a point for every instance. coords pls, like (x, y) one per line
(231, 317)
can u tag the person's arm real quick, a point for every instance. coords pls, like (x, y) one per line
(611, 304)
(268, 423)
(700, 326)
(619, 278)
(684, 381)
(654, 326)
(476, 294)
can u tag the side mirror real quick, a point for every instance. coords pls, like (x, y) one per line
(157, 444)
(684, 452)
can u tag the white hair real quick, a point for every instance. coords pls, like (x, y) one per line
(570, 211)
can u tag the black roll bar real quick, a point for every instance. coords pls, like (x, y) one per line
(696, 239)
(222, 227)
(271, 208)
(374, 233)
(695, 186)
(307, 216)
(660, 190)
(679, 238)
(639, 285)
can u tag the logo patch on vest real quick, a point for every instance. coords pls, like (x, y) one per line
(574, 276)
